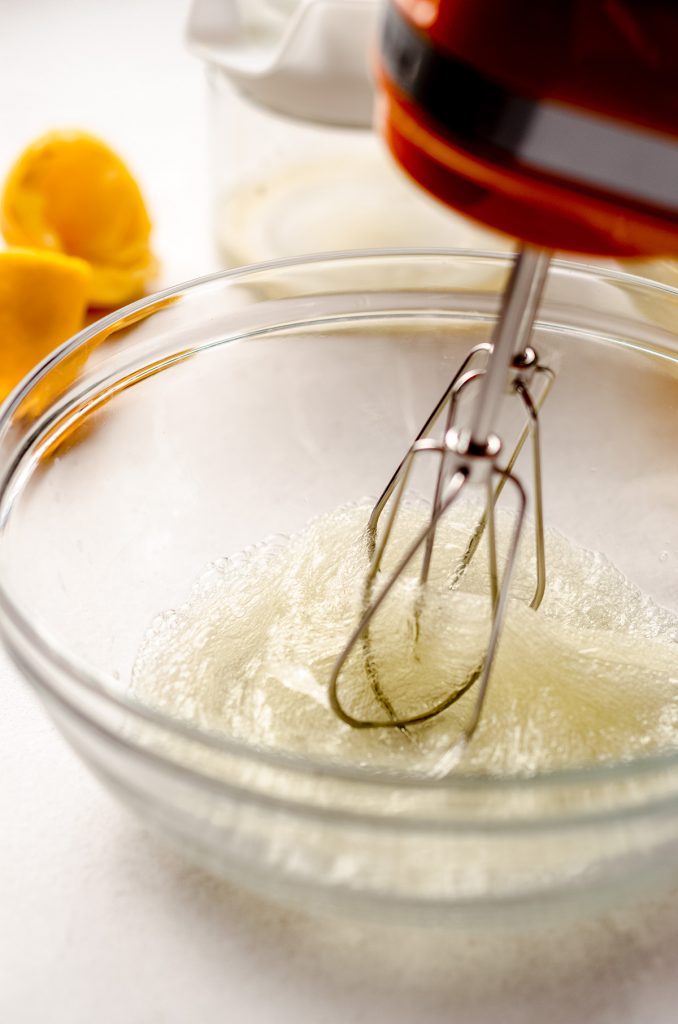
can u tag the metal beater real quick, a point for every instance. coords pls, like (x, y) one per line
(492, 108)
(468, 453)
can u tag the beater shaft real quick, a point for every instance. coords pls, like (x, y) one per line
(511, 336)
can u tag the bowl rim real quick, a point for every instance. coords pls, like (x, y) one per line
(105, 688)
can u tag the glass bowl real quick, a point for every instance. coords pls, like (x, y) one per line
(198, 421)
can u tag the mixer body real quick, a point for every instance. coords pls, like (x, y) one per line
(554, 122)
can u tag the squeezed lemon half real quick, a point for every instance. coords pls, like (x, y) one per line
(69, 193)
(43, 298)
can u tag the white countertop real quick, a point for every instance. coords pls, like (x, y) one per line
(98, 922)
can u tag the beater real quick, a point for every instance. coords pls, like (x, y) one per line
(557, 124)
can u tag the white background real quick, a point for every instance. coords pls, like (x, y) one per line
(98, 923)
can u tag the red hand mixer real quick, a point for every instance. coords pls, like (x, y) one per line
(554, 122)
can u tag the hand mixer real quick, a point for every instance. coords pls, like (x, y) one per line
(556, 123)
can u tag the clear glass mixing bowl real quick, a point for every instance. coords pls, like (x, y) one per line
(198, 421)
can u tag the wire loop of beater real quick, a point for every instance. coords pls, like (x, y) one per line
(445, 496)
(500, 596)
